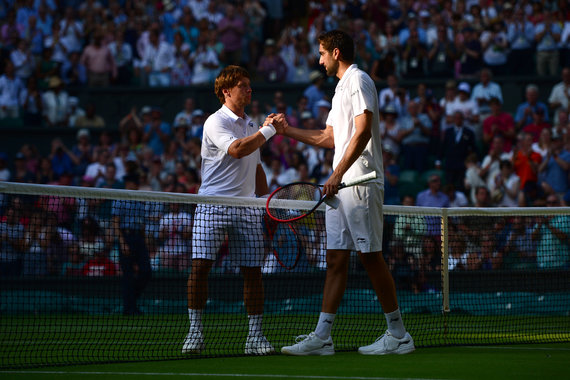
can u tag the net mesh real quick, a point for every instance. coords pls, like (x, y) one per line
(69, 294)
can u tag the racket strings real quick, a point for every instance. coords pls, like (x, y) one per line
(293, 192)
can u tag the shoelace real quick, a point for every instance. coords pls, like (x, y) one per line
(301, 338)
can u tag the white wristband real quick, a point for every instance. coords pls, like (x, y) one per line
(268, 131)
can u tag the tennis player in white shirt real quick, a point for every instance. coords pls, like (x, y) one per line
(353, 130)
(231, 166)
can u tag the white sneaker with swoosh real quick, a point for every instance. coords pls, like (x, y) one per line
(388, 344)
(310, 345)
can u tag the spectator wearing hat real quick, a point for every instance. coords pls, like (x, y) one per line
(314, 92)
(56, 104)
(197, 124)
(520, 33)
(129, 220)
(469, 52)
(464, 104)
(11, 88)
(271, 66)
(231, 30)
(525, 110)
(500, 123)
(157, 132)
(90, 119)
(547, 36)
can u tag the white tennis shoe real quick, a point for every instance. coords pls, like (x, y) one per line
(310, 345)
(387, 344)
(194, 342)
(258, 345)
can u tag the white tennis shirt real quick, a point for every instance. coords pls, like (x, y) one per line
(355, 93)
(221, 173)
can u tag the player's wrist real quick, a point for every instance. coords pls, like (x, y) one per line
(268, 131)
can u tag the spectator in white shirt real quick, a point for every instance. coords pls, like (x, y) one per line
(55, 104)
(462, 103)
(560, 94)
(22, 59)
(484, 91)
(158, 60)
(71, 30)
(10, 89)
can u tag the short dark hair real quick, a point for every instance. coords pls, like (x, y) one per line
(337, 39)
(228, 78)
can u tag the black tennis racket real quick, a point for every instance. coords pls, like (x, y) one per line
(279, 211)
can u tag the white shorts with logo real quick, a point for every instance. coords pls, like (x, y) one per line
(357, 223)
(241, 226)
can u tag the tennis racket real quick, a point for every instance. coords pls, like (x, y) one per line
(285, 243)
(302, 191)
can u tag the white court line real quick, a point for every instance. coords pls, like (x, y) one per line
(520, 348)
(250, 375)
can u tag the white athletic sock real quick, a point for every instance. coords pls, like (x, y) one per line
(255, 322)
(195, 317)
(395, 324)
(324, 326)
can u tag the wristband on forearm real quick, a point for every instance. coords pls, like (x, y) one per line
(268, 131)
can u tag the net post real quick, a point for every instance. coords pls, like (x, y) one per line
(444, 261)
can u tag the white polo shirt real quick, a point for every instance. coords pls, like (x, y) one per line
(354, 94)
(221, 173)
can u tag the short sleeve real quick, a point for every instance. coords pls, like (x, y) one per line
(220, 135)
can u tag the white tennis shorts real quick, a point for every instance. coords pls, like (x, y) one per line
(242, 228)
(357, 223)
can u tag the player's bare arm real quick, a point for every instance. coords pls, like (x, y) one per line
(322, 138)
(246, 146)
(363, 127)
(261, 187)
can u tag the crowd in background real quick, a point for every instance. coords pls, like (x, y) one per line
(463, 149)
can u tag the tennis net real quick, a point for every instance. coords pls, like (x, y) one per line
(464, 276)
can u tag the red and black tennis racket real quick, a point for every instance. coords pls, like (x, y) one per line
(279, 211)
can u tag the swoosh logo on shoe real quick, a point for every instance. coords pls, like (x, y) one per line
(394, 319)
(327, 321)
(400, 343)
(327, 345)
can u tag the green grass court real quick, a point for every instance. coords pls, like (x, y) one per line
(533, 361)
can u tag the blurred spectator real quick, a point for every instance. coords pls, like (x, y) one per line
(463, 104)
(187, 27)
(469, 52)
(544, 143)
(520, 250)
(520, 33)
(388, 46)
(410, 230)
(547, 37)
(58, 45)
(414, 56)
(391, 129)
(458, 142)
(231, 30)
(122, 54)
(558, 99)
(11, 88)
(390, 95)
(255, 15)
(71, 30)
(550, 234)
(109, 180)
(473, 177)
(100, 265)
(157, 132)
(495, 45)
(506, 186)
(525, 164)
(554, 168)
(197, 124)
(456, 198)
(74, 111)
(11, 243)
(565, 44)
(415, 137)
(96, 170)
(442, 55)
(46, 68)
(21, 173)
(45, 174)
(484, 91)
(90, 119)
(175, 228)
(73, 71)
(23, 60)
(490, 166)
(184, 117)
(204, 60)
(271, 66)
(499, 123)
(129, 219)
(392, 175)
(482, 197)
(537, 125)
(157, 60)
(55, 104)
(526, 109)
(314, 92)
(180, 74)
(99, 62)
(4, 171)
(433, 196)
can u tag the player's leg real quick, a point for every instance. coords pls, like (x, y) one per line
(249, 245)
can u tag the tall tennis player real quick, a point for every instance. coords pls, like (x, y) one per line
(356, 225)
(231, 166)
